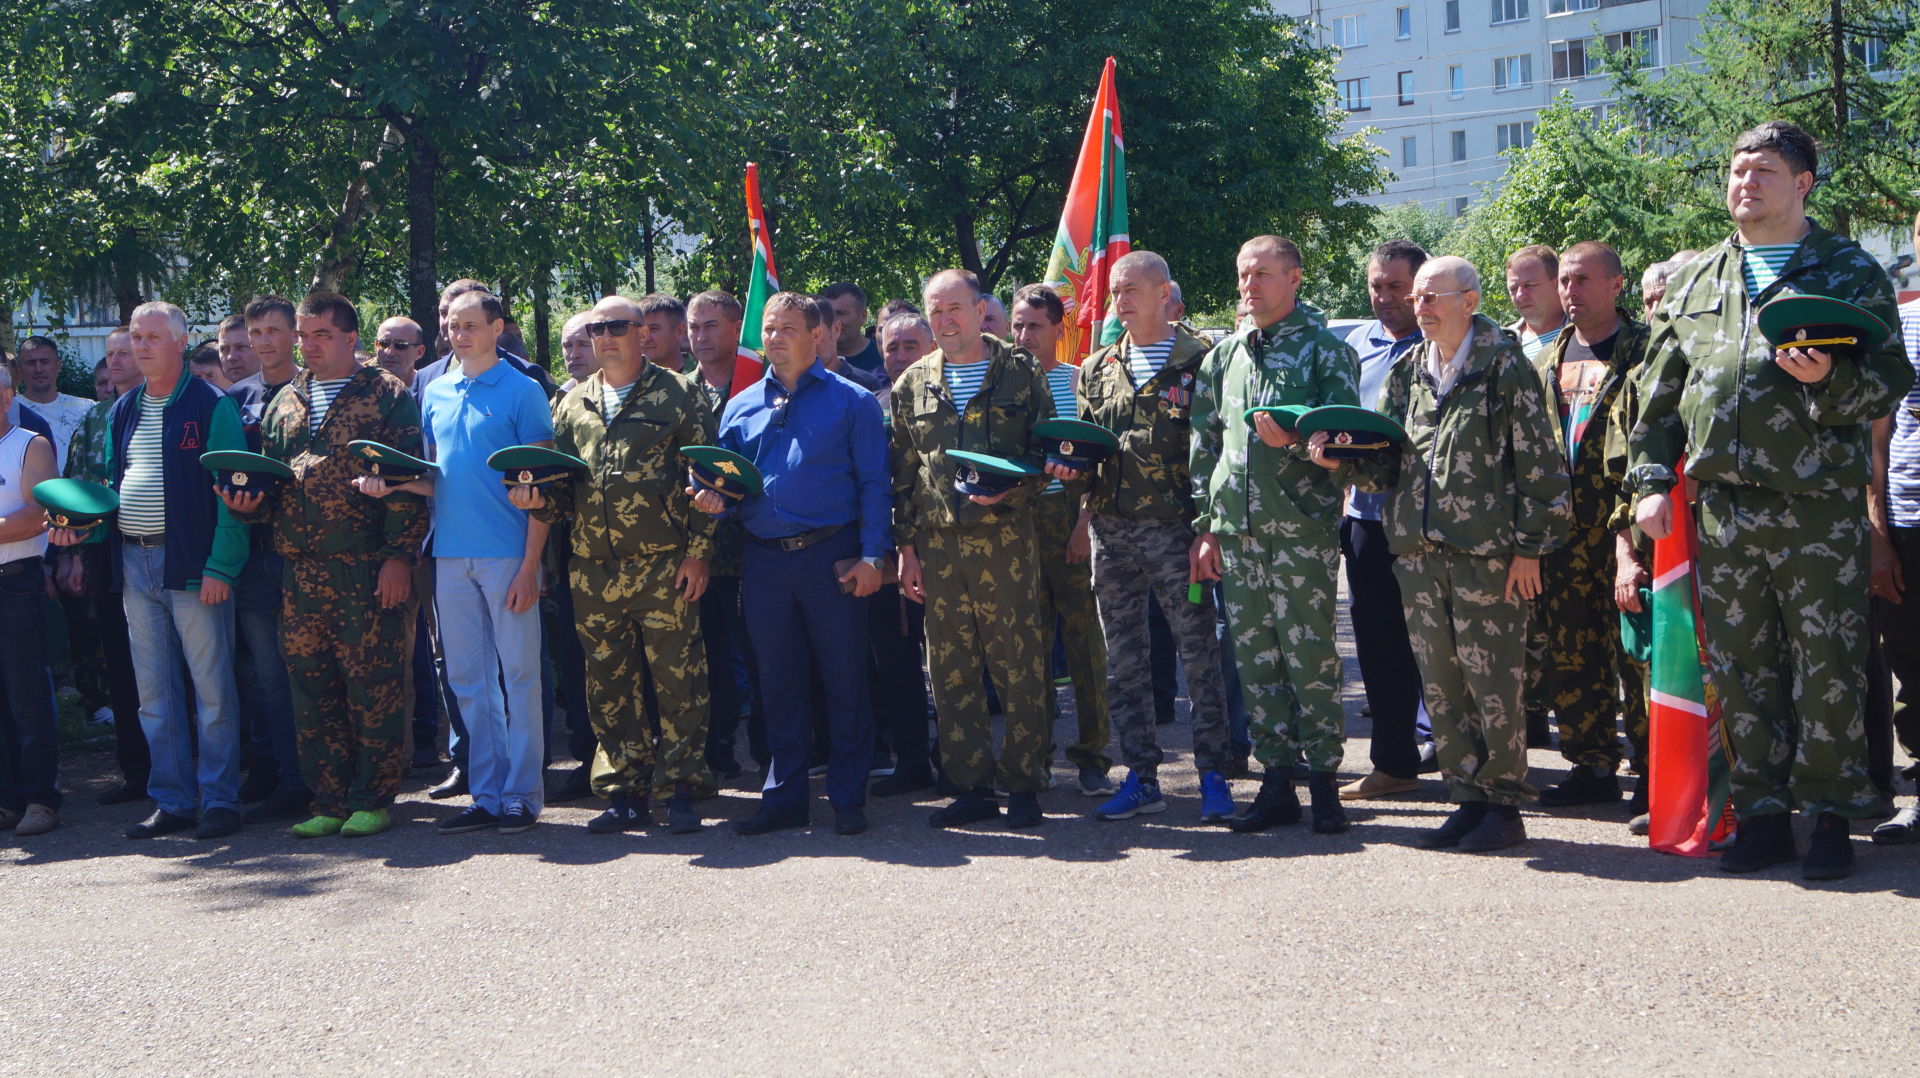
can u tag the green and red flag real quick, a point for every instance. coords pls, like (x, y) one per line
(1688, 776)
(762, 282)
(1093, 228)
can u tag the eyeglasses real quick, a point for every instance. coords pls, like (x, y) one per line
(396, 346)
(1435, 297)
(614, 327)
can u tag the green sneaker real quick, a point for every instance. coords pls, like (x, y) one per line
(318, 827)
(362, 824)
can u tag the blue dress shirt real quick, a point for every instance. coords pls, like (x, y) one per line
(1378, 350)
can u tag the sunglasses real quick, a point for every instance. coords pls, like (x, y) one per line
(614, 327)
(396, 346)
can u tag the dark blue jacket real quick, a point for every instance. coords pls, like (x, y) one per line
(202, 536)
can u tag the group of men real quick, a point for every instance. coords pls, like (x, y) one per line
(1492, 545)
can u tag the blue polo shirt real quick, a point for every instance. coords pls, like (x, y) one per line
(466, 420)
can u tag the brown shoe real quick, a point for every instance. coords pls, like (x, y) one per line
(1376, 784)
(37, 820)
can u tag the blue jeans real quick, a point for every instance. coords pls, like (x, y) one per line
(29, 734)
(493, 669)
(158, 620)
(262, 679)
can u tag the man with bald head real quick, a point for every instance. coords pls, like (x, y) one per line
(639, 568)
(400, 346)
(1477, 495)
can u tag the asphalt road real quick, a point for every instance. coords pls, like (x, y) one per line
(1144, 947)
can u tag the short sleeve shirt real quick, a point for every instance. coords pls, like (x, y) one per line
(466, 420)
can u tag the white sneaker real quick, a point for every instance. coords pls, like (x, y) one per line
(38, 820)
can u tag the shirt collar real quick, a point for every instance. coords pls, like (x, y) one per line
(488, 377)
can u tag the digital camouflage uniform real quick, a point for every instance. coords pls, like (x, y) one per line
(980, 564)
(1277, 516)
(1142, 534)
(633, 524)
(1575, 662)
(1480, 480)
(1782, 472)
(346, 655)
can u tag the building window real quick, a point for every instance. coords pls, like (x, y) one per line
(1456, 81)
(1513, 72)
(1409, 151)
(1355, 95)
(1509, 11)
(1570, 59)
(1350, 31)
(1452, 24)
(1458, 144)
(1871, 52)
(1405, 79)
(1513, 136)
(1402, 23)
(1644, 42)
(1566, 7)
(1460, 206)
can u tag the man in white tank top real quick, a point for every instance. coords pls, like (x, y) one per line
(29, 791)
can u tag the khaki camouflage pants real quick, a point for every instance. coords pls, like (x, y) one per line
(983, 612)
(347, 664)
(1573, 647)
(1066, 593)
(1783, 597)
(633, 621)
(1280, 610)
(1471, 644)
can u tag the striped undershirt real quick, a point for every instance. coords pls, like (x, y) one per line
(321, 394)
(1145, 360)
(1762, 264)
(1533, 346)
(612, 397)
(1903, 459)
(964, 380)
(1060, 388)
(143, 490)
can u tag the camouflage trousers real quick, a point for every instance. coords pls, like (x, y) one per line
(1066, 600)
(1130, 559)
(1280, 609)
(1471, 645)
(1783, 596)
(347, 675)
(633, 622)
(982, 584)
(1574, 651)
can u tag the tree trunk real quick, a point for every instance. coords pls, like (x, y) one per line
(646, 239)
(969, 247)
(423, 284)
(6, 326)
(542, 299)
(1837, 43)
(340, 255)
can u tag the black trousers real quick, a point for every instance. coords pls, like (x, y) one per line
(1383, 646)
(110, 620)
(1894, 651)
(897, 680)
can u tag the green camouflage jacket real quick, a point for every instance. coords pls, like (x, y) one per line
(1147, 478)
(318, 512)
(1711, 390)
(998, 421)
(1599, 470)
(1482, 470)
(1242, 485)
(87, 456)
(634, 501)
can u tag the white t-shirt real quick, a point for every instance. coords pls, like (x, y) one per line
(65, 413)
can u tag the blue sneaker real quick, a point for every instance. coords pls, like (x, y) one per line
(1135, 797)
(1216, 798)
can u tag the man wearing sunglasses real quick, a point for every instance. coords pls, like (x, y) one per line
(639, 568)
(401, 347)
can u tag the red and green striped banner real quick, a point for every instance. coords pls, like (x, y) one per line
(1093, 228)
(762, 282)
(1687, 777)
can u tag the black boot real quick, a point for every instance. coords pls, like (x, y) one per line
(1585, 784)
(1760, 842)
(970, 807)
(1829, 850)
(682, 817)
(1275, 804)
(1023, 810)
(1457, 826)
(1328, 817)
(1499, 828)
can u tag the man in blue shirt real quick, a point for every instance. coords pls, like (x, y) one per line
(821, 448)
(486, 565)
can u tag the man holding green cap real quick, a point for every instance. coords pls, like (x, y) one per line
(29, 734)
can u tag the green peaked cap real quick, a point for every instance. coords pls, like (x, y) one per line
(985, 474)
(75, 503)
(1823, 319)
(1076, 443)
(534, 465)
(387, 462)
(1351, 431)
(723, 471)
(240, 472)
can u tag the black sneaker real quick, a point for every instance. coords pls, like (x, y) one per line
(285, 804)
(518, 817)
(471, 818)
(1499, 828)
(160, 823)
(1584, 785)
(970, 807)
(1760, 842)
(217, 823)
(1023, 810)
(1458, 825)
(849, 821)
(1829, 850)
(624, 813)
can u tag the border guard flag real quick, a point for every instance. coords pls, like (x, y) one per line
(1093, 228)
(1688, 780)
(763, 281)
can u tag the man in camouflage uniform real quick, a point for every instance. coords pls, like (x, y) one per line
(980, 554)
(1778, 445)
(1268, 525)
(1478, 495)
(349, 570)
(639, 568)
(1574, 656)
(1141, 388)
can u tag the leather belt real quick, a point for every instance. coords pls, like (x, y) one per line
(19, 565)
(145, 540)
(801, 541)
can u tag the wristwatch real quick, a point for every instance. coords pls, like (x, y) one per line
(872, 563)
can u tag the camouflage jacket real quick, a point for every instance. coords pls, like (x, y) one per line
(87, 456)
(1599, 468)
(1148, 476)
(1481, 470)
(318, 512)
(1711, 390)
(999, 420)
(1242, 485)
(634, 502)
